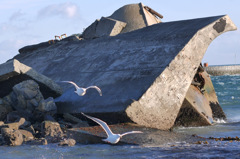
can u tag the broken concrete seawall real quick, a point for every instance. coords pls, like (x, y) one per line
(223, 70)
(144, 74)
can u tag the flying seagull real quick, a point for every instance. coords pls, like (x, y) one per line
(82, 91)
(112, 138)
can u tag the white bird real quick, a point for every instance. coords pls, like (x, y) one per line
(112, 138)
(82, 91)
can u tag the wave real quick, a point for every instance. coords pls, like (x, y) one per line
(219, 121)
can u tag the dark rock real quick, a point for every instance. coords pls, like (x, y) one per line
(71, 118)
(25, 92)
(67, 142)
(13, 116)
(47, 105)
(5, 108)
(48, 117)
(12, 137)
(40, 141)
(30, 129)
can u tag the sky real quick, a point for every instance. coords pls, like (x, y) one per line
(27, 22)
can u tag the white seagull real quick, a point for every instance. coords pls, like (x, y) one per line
(82, 91)
(112, 138)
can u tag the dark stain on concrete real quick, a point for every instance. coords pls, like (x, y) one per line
(220, 26)
(217, 111)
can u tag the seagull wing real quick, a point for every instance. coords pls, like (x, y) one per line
(101, 123)
(131, 132)
(97, 88)
(75, 85)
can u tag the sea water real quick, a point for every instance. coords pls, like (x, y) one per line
(228, 92)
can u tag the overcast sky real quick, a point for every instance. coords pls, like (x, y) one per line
(26, 22)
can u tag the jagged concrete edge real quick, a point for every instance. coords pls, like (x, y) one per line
(39, 77)
(166, 104)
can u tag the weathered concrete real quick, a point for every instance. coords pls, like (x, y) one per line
(127, 18)
(223, 70)
(144, 75)
(149, 137)
(35, 47)
(136, 17)
(103, 27)
(14, 72)
(200, 108)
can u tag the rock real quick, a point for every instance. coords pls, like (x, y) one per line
(3, 112)
(51, 131)
(47, 105)
(30, 129)
(14, 126)
(12, 137)
(25, 92)
(48, 117)
(23, 123)
(41, 141)
(27, 136)
(14, 72)
(13, 116)
(67, 142)
(1, 123)
(4, 109)
(71, 118)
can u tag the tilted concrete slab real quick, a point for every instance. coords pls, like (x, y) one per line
(14, 72)
(144, 75)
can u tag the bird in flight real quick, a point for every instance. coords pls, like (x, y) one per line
(82, 91)
(112, 138)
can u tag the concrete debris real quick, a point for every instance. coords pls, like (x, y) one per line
(14, 72)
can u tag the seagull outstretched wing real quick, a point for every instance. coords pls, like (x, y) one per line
(131, 132)
(97, 88)
(75, 85)
(101, 123)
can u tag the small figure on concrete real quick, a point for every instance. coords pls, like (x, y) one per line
(112, 138)
(82, 91)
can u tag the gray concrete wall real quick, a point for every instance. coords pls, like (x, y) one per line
(144, 74)
(223, 70)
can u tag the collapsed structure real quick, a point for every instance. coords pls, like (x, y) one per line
(145, 74)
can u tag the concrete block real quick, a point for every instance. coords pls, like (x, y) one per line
(144, 75)
(103, 27)
(14, 72)
(109, 27)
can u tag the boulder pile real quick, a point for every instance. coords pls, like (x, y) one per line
(26, 117)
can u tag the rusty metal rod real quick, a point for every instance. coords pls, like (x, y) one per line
(153, 12)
